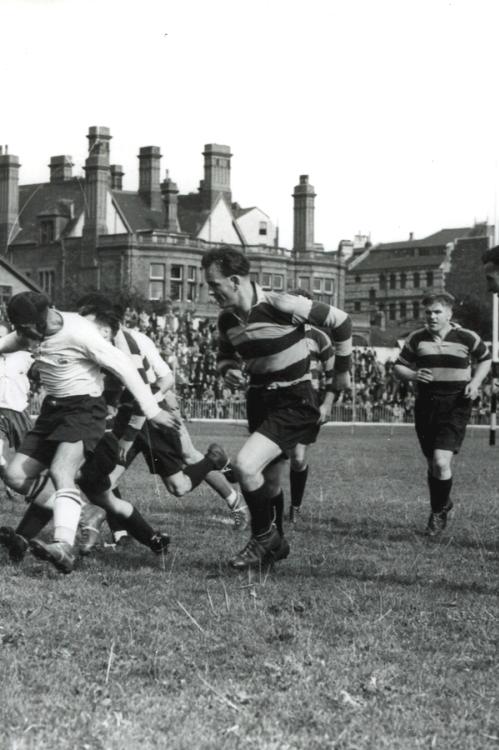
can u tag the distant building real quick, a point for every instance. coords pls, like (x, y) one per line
(74, 234)
(386, 282)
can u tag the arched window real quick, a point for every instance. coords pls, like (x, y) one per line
(429, 278)
(382, 282)
(393, 281)
(416, 280)
(403, 280)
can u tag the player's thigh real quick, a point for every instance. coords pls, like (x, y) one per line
(256, 454)
(274, 474)
(177, 484)
(23, 467)
(190, 453)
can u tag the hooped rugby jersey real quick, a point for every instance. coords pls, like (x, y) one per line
(272, 340)
(321, 358)
(449, 358)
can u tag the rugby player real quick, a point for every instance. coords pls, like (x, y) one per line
(266, 332)
(437, 359)
(69, 352)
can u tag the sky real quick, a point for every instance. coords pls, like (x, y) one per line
(390, 106)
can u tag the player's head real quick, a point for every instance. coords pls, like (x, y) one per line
(438, 310)
(226, 271)
(99, 310)
(301, 292)
(490, 260)
(28, 311)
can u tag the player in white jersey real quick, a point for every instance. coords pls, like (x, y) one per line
(69, 353)
(14, 396)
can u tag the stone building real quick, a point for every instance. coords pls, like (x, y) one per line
(73, 234)
(386, 283)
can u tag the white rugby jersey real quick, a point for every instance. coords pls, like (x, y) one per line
(14, 382)
(70, 361)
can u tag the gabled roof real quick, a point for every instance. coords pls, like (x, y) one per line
(136, 212)
(191, 216)
(48, 199)
(14, 271)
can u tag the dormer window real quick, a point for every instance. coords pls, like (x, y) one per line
(262, 229)
(47, 231)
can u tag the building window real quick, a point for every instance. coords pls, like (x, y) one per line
(357, 306)
(304, 282)
(403, 310)
(416, 280)
(429, 278)
(317, 285)
(358, 279)
(415, 310)
(47, 231)
(403, 280)
(372, 296)
(278, 282)
(329, 286)
(157, 272)
(46, 280)
(262, 229)
(392, 311)
(266, 281)
(176, 283)
(5, 293)
(192, 274)
(254, 277)
(393, 281)
(382, 282)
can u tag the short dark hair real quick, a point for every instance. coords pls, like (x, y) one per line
(443, 297)
(97, 304)
(25, 308)
(491, 256)
(301, 292)
(229, 261)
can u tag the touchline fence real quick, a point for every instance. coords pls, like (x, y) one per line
(236, 410)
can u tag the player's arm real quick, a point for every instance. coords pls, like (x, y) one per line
(406, 367)
(229, 363)
(108, 356)
(339, 326)
(481, 353)
(327, 358)
(12, 342)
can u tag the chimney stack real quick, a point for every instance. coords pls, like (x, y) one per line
(97, 182)
(9, 198)
(117, 177)
(303, 230)
(149, 168)
(216, 180)
(61, 168)
(169, 192)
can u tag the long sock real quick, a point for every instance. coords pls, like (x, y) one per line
(34, 520)
(197, 472)
(260, 508)
(67, 509)
(297, 482)
(138, 527)
(442, 488)
(278, 509)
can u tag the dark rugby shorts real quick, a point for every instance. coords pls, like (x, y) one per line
(287, 416)
(161, 449)
(13, 426)
(93, 478)
(441, 420)
(65, 420)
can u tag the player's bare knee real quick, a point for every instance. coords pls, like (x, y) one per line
(15, 480)
(178, 485)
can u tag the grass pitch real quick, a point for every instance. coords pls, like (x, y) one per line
(368, 636)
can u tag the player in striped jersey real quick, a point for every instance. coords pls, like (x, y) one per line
(437, 358)
(322, 374)
(266, 332)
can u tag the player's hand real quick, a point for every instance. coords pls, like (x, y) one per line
(325, 414)
(235, 378)
(342, 381)
(424, 375)
(471, 391)
(124, 446)
(167, 419)
(171, 400)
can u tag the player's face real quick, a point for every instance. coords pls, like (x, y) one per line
(29, 331)
(225, 289)
(437, 316)
(103, 328)
(492, 277)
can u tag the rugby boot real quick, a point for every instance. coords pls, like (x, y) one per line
(228, 472)
(90, 525)
(265, 548)
(438, 521)
(217, 456)
(159, 543)
(15, 544)
(60, 554)
(240, 514)
(294, 513)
